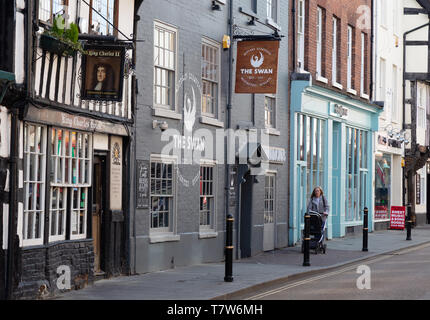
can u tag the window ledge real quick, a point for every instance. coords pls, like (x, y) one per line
(205, 234)
(352, 91)
(365, 96)
(337, 85)
(211, 121)
(163, 237)
(272, 131)
(322, 79)
(164, 113)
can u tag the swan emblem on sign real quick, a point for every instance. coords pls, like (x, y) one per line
(256, 61)
(190, 112)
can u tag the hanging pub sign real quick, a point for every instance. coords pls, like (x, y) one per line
(103, 73)
(257, 66)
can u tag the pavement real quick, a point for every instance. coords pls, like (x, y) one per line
(206, 281)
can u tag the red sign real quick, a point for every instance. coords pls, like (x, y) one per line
(397, 220)
(257, 67)
(381, 212)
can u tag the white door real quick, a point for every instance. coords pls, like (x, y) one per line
(269, 213)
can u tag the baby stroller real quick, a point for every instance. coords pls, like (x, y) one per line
(317, 229)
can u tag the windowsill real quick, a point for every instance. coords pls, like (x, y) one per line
(163, 237)
(165, 113)
(322, 79)
(206, 234)
(382, 220)
(352, 91)
(365, 96)
(211, 121)
(337, 85)
(272, 131)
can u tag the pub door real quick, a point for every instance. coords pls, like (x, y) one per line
(99, 209)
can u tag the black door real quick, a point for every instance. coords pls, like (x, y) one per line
(246, 216)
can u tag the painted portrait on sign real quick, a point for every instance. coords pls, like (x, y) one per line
(103, 71)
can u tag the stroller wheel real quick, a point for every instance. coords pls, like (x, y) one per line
(324, 248)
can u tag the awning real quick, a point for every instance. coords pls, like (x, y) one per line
(6, 79)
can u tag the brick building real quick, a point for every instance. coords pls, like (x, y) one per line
(332, 116)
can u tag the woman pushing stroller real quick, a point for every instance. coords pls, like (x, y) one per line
(318, 208)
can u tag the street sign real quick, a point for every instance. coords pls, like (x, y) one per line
(397, 219)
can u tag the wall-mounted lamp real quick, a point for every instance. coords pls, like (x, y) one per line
(163, 125)
(216, 6)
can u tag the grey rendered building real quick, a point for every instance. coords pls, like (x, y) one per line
(181, 120)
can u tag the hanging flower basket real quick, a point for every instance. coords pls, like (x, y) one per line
(56, 46)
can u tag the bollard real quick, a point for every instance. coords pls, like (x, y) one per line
(365, 229)
(408, 224)
(229, 250)
(306, 240)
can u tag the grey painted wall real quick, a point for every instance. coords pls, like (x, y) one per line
(194, 19)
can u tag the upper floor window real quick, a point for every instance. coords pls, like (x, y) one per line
(301, 35)
(320, 42)
(272, 10)
(335, 47)
(350, 69)
(105, 11)
(164, 65)
(270, 111)
(421, 107)
(210, 78)
(49, 8)
(363, 69)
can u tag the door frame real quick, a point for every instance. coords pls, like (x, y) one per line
(103, 156)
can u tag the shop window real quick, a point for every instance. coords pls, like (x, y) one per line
(356, 174)
(269, 198)
(382, 186)
(210, 78)
(207, 197)
(310, 156)
(162, 196)
(164, 66)
(34, 183)
(70, 175)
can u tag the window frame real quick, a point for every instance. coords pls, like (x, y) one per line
(349, 57)
(271, 125)
(208, 230)
(319, 41)
(171, 228)
(173, 107)
(271, 175)
(274, 10)
(28, 156)
(114, 20)
(215, 45)
(51, 3)
(301, 35)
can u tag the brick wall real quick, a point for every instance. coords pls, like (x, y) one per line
(349, 13)
(37, 267)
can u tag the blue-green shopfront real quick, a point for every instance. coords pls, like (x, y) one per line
(332, 146)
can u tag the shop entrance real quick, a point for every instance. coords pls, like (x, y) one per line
(99, 209)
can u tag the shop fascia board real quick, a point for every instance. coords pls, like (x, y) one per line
(298, 87)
